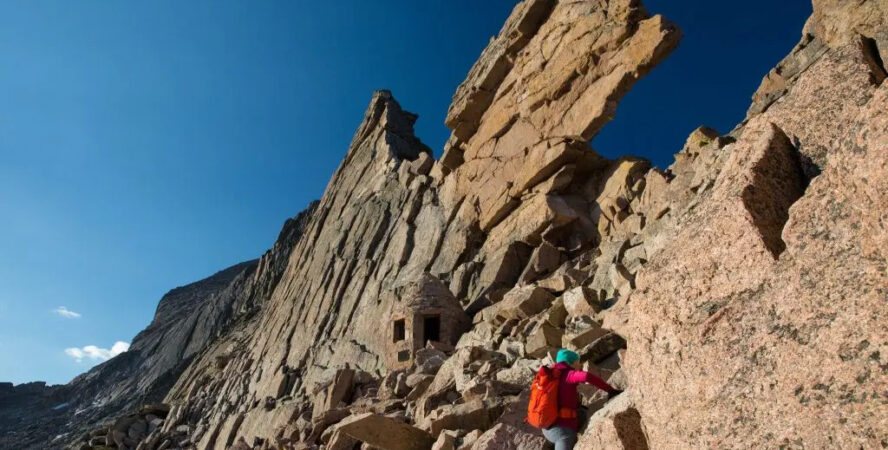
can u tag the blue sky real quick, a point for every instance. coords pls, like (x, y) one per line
(145, 145)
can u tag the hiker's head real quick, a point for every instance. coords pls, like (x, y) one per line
(568, 357)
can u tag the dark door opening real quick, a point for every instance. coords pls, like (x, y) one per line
(400, 331)
(431, 329)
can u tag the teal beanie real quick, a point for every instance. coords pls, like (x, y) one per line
(566, 356)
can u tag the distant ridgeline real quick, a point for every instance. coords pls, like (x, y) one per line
(738, 297)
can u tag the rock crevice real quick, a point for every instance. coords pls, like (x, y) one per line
(737, 297)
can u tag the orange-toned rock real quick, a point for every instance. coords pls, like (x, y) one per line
(765, 309)
(739, 295)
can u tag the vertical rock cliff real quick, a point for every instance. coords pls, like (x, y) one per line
(766, 308)
(738, 297)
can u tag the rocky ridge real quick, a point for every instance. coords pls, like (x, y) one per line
(187, 320)
(738, 296)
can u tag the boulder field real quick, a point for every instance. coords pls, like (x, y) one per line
(739, 297)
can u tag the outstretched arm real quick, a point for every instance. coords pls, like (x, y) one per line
(580, 376)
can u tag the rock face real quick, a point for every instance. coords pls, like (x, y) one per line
(779, 274)
(738, 296)
(187, 320)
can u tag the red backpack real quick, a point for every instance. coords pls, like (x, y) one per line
(543, 410)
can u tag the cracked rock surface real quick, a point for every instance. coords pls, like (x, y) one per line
(738, 297)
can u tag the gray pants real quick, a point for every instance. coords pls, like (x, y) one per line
(564, 438)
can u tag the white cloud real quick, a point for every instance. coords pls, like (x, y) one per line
(95, 353)
(66, 313)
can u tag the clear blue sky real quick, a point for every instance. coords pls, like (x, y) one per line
(145, 145)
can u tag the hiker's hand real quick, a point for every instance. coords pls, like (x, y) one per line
(613, 393)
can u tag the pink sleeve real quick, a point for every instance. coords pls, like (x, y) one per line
(579, 376)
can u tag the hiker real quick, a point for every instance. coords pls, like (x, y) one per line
(554, 403)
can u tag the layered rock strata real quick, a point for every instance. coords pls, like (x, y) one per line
(738, 297)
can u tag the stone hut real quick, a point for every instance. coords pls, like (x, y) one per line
(423, 311)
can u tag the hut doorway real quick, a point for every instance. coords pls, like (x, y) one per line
(431, 329)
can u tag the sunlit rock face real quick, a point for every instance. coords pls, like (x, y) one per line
(738, 297)
(761, 322)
